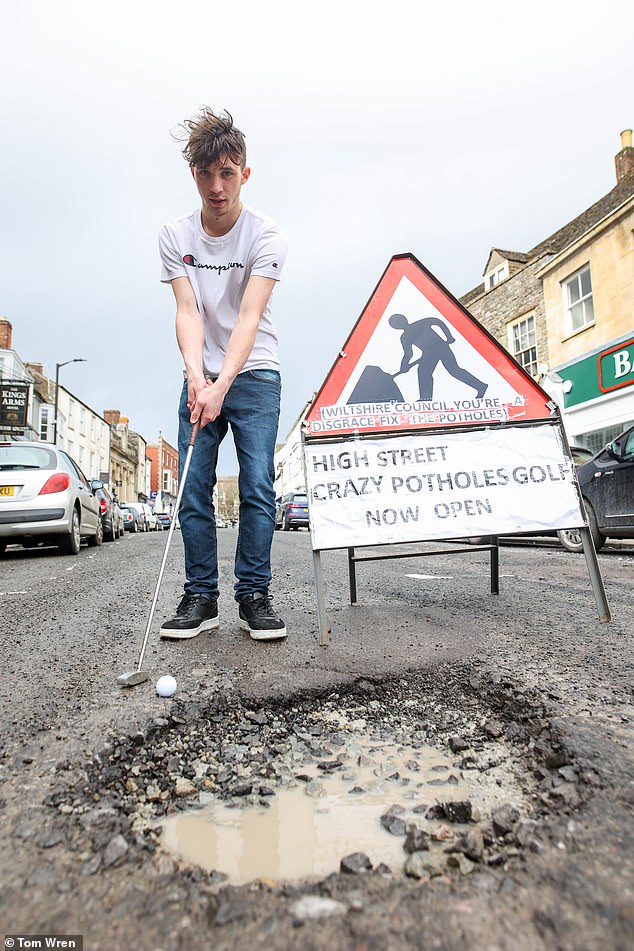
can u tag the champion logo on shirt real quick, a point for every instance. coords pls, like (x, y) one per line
(191, 261)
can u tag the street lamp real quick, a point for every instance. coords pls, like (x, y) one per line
(57, 369)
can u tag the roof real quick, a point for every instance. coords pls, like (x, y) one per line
(586, 220)
(560, 239)
(517, 256)
(472, 294)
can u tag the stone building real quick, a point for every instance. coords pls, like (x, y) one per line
(565, 310)
(128, 472)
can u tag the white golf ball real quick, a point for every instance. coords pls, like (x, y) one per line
(166, 686)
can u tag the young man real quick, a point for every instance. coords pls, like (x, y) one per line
(223, 262)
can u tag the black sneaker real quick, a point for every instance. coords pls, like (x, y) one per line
(195, 613)
(259, 619)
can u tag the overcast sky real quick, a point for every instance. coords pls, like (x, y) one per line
(371, 130)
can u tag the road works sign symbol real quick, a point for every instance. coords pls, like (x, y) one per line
(417, 359)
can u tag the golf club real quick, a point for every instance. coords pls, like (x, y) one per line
(133, 677)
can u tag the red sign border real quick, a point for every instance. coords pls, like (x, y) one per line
(407, 265)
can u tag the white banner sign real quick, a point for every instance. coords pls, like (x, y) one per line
(445, 485)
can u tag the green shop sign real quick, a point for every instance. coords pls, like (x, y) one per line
(600, 373)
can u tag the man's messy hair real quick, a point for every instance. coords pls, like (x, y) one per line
(212, 138)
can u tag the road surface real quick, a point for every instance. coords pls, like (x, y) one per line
(427, 648)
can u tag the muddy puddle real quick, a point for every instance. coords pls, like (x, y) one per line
(318, 816)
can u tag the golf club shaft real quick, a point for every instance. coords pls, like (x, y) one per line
(190, 449)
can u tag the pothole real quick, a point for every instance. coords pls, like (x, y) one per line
(377, 798)
(435, 773)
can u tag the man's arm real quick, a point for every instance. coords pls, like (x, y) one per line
(209, 399)
(190, 334)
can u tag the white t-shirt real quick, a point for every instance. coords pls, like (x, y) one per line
(219, 270)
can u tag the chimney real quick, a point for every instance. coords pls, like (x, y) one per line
(112, 416)
(624, 160)
(6, 334)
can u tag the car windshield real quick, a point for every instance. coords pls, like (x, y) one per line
(26, 457)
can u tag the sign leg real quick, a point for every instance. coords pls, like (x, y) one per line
(595, 575)
(321, 600)
(352, 576)
(495, 565)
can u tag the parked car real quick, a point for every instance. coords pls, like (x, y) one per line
(111, 517)
(165, 519)
(147, 518)
(137, 507)
(151, 519)
(292, 511)
(607, 486)
(45, 499)
(132, 519)
(580, 455)
(119, 514)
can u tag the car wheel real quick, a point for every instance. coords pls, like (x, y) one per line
(570, 538)
(111, 536)
(135, 527)
(71, 543)
(286, 525)
(95, 540)
(3, 547)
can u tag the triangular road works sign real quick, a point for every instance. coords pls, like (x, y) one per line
(417, 359)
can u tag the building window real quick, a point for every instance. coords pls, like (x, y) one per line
(71, 414)
(496, 276)
(578, 300)
(523, 343)
(167, 481)
(82, 421)
(46, 420)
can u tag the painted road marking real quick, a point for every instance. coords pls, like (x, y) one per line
(432, 577)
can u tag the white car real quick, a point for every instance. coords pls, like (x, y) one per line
(45, 499)
(151, 519)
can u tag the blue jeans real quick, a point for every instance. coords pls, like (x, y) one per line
(252, 408)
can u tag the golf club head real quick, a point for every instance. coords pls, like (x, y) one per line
(133, 677)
